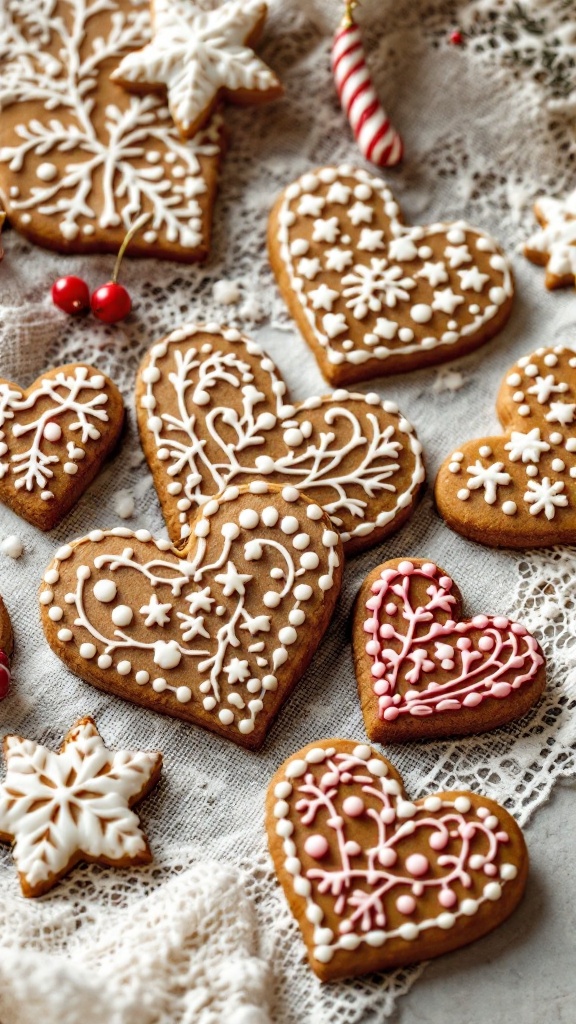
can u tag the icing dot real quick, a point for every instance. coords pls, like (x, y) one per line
(55, 613)
(447, 898)
(421, 313)
(406, 904)
(65, 635)
(122, 615)
(227, 717)
(287, 635)
(124, 667)
(509, 508)
(463, 494)
(310, 560)
(417, 864)
(104, 661)
(289, 524)
(409, 931)
(46, 597)
(159, 685)
(270, 516)
(183, 694)
(248, 518)
(87, 651)
(316, 846)
(51, 576)
(314, 512)
(105, 590)
(52, 431)
(46, 171)
(353, 806)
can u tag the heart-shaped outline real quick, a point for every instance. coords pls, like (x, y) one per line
(313, 827)
(244, 664)
(411, 686)
(184, 391)
(345, 299)
(83, 435)
(518, 489)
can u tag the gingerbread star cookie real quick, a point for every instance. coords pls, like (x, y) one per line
(423, 672)
(376, 880)
(372, 296)
(518, 489)
(54, 437)
(217, 633)
(214, 410)
(75, 805)
(80, 158)
(554, 245)
(197, 56)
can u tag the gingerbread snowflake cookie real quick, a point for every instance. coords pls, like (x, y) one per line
(75, 805)
(80, 158)
(198, 56)
(54, 437)
(372, 296)
(519, 489)
(214, 410)
(218, 632)
(423, 672)
(554, 245)
(376, 880)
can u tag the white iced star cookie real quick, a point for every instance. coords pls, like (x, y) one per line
(554, 245)
(200, 56)
(519, 489)
(60, 808)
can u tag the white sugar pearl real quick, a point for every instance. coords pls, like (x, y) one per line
(13, 547)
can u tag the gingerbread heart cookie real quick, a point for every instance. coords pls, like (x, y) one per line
(424, 673)
(376, 880)
(213, 409)
(54, 437)
(372, 296)
(80, 158)
(518, 490)
(218, 633)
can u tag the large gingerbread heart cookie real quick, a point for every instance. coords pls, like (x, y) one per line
(218, 633)
(54, 437)
(376, 880)
(80, 159)
(423, 672)
(372, 296)
(213, 410)
(518, 490)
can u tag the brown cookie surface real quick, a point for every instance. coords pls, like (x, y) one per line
(80, 158)
(75, 805)
(423, 672)
(54, 437)
(518, 489)
(372, 296)
(213, 410)
(217, 633)
(376, 880)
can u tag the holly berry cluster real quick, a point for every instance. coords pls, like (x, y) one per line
(110, 302)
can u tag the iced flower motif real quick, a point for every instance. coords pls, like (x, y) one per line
(371, 287)
(157, 614)
(237, 670)
(544, 387)
(167, 655)
(192, 625)
(422, 664)
(527, 447)
(488, 477)
(544, 496)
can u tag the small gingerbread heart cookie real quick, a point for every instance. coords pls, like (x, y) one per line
(54, 437)
(214, 410)
(217, 633)
(372, 296)
(425, 673)
(376, 880)
(75, 805)
(518, 489)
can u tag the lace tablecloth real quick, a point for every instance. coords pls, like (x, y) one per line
(487, 126)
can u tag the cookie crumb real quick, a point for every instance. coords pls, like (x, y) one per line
(124, 504)
(227, 293)
(12, 546)
(448, 380)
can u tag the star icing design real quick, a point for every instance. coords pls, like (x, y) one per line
(561, 412)
(527, 447)
(488, 477)
(544, 387)
(434, 273)
(233, 581)
(199, 55)
(156, 614)
(60, 808)
(545, 496)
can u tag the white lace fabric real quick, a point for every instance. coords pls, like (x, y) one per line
(487, 128)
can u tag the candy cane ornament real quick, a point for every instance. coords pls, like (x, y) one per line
(378, 141)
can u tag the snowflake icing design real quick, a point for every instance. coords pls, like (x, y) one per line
(545, 496)
(488, 477)
(102, 178)
(368, 288)
(57, 807)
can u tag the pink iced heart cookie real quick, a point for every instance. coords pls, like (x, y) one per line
(376, 880)
(423, 672)
(373, 296)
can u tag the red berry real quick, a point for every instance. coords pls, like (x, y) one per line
(456, 38)
(4, 675)
(71, 295)
(111, 302)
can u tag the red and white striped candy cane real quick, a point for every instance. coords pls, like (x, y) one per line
(378, 141)
(4, 674)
